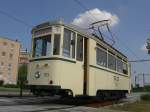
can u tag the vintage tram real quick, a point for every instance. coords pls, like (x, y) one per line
(70, 62)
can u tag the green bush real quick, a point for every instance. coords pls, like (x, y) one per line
(145, 97)
(1, 82)
(146, 88)
(11, 86)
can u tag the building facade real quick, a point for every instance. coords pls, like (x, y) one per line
(23, 57)
(9, 59)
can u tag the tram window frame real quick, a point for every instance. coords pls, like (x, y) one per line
(35, 44)
(119, 65)
(47, 49)
(100, 58)
(67, 43)
(113, 62)
(56, 44)
(44, 47)
(73, 43)
(79, 48)
(125, 68)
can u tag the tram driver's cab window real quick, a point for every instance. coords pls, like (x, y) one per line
(42, 46)
(56, 45)
(66, 43)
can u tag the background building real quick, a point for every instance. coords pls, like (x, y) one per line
(9, 58)
(23, 65)
(23, 57)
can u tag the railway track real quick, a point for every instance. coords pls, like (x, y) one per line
(32, 100)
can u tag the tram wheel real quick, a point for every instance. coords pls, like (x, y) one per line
(66, 93)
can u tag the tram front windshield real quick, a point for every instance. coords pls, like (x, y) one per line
(42, 46)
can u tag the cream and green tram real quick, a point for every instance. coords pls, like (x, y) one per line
(68, 61)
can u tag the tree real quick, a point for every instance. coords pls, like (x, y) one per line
(22, 72)
(22, 77)
(148, 45)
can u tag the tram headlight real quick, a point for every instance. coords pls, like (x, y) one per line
(37, 74)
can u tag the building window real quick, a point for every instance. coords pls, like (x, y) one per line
(79, 48)
(2, 63)
(66, 43)
(9, 66)
(119, 66)
(10, 56)
(111, 62)
(101, 57)
(56, 48)
(5, 43)
(3, 53)
(9, 69)
(12, 45)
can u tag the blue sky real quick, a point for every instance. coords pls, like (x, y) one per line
(132, 29)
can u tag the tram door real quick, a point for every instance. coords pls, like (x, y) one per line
(81, 57)
(85, 66)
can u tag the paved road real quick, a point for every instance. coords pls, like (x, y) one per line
(133, 97)
(42, 104)
(51, 104)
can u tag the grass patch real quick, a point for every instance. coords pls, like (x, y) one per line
(140, 106)
(145, 97)
(9, 89)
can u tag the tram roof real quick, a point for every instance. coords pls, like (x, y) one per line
(77, 29)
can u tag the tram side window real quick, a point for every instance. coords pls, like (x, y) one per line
(56, 47)
(125, 68)
(111, 62)
(119, 66)
(66, 43)
(101, 57)
(73, 44)
(79, 48)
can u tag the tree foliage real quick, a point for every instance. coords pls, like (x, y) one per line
(22, 72)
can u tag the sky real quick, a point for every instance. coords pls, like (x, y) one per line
(130, 22)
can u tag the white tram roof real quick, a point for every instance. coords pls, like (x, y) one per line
(80, 31)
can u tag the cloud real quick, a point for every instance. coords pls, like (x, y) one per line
(84, 19)
(143, 48)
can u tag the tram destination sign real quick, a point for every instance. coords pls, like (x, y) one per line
(43, 31)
